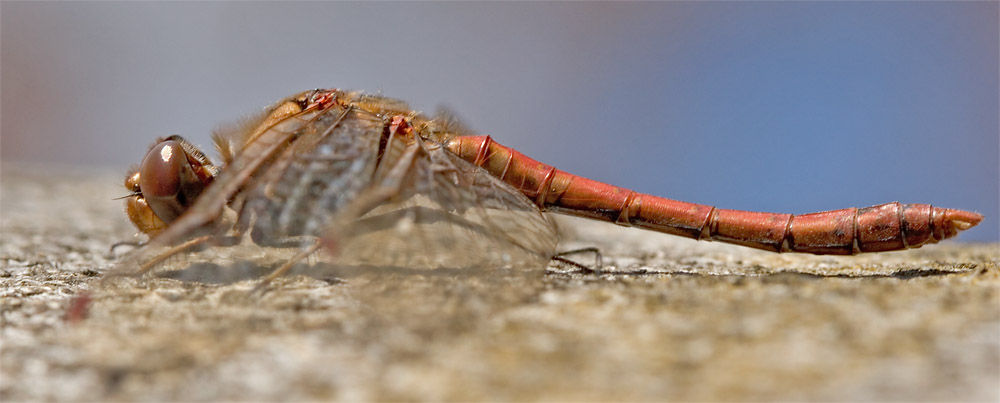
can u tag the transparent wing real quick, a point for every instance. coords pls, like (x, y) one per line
(281, 190)
(331, 163)
(434, 210)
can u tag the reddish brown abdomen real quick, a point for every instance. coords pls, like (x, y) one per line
(886, 227)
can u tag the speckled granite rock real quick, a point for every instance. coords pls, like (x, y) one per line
(672, 319)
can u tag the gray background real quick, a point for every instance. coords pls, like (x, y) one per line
(788, 107)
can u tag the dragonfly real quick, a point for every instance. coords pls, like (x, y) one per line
(365, 179)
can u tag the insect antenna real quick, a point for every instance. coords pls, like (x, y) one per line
(126, 196)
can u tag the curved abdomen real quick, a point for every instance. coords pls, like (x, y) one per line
(886, 227)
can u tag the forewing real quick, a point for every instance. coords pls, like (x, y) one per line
(331, 163)
(281, 190)
(443, 213)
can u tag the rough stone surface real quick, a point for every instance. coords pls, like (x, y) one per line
(671, 319)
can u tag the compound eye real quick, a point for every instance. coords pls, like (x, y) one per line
(159, 173)
(160, 179)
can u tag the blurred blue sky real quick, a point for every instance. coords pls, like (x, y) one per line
(775, 106)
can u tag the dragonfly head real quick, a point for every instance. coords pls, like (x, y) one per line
(166, 183)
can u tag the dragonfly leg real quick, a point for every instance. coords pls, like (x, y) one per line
(146, 267)
(598, 259)
(202, 240)
(377, 195)
(583, 269)
(387, 188)
(133, 244)
(280, 271)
